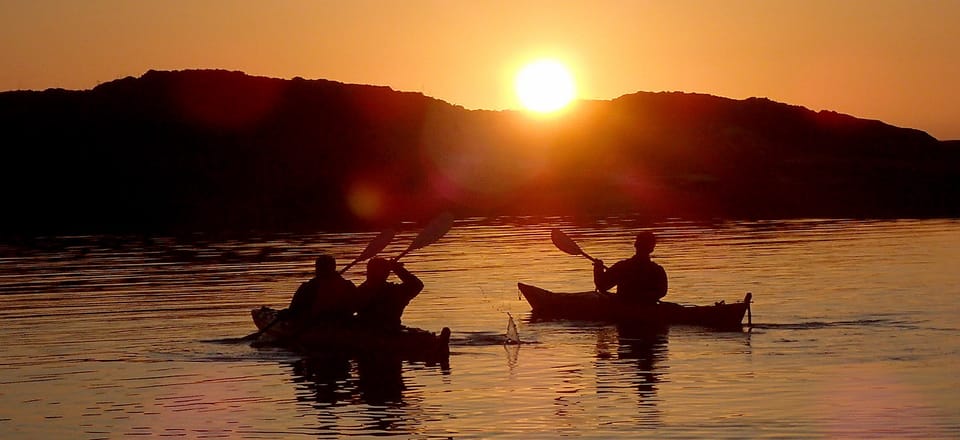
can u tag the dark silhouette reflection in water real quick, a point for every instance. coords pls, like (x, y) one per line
(327, 379)
(634, 352)
(372, 388)
(646, 347)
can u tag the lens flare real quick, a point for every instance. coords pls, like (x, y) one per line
(365, 201)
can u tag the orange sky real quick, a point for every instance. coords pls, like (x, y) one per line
(897, 61)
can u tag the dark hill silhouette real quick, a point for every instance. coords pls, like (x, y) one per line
(222, 150)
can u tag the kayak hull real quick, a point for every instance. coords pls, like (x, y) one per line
(409, 343)
(595, 306)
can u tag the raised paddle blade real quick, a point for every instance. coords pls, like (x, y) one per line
(437, 228)
(566, 244)
(378, 244)
(373, 248)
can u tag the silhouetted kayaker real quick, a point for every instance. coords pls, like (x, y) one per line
(327, 298)
(638, 280)
(382, 302)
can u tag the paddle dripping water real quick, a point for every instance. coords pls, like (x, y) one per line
(855, 336)
(513, 336)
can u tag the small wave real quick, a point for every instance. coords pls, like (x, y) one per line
(814, 325)
(479, 339)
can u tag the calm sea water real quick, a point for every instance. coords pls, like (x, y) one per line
(856, 336)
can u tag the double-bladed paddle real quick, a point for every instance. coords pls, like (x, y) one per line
(566, 244)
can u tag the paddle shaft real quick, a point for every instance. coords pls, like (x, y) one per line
(405, 252)
(349, 265)
(376, 245)
(566, 244)
(595, 260)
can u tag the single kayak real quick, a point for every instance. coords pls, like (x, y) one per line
(595, 306)
(412, 344)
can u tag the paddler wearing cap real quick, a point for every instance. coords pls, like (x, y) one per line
(638, 279)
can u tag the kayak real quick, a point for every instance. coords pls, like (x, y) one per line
(412, 344)
(595, 306)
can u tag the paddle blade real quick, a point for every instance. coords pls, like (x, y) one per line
(565, 243)
(433, 231)
(378, 244)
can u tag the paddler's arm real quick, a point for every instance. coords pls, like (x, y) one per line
(412, 285)
(602, 278)
(301, 302)
(661, 287)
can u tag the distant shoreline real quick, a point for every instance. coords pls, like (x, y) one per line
(217, 150)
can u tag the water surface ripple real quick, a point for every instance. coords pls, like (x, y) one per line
(855, 336)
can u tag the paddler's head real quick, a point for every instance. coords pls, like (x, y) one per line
(645, 243)
(325, 264)
(378, 269)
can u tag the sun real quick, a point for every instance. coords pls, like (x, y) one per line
(545, 86)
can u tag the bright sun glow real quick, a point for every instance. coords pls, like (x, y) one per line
(545, 86)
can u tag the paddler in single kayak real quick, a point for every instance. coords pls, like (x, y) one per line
(639, 280)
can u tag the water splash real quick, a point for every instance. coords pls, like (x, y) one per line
(513, 336)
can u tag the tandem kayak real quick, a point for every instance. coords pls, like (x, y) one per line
(595, 306)
(412, 344)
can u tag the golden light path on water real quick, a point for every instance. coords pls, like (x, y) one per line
(855, 336)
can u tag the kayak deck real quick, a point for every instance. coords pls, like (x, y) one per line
(595, 306)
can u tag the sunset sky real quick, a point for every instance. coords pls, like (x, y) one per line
(893, 60)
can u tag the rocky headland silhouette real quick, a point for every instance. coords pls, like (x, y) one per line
(220, 150)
